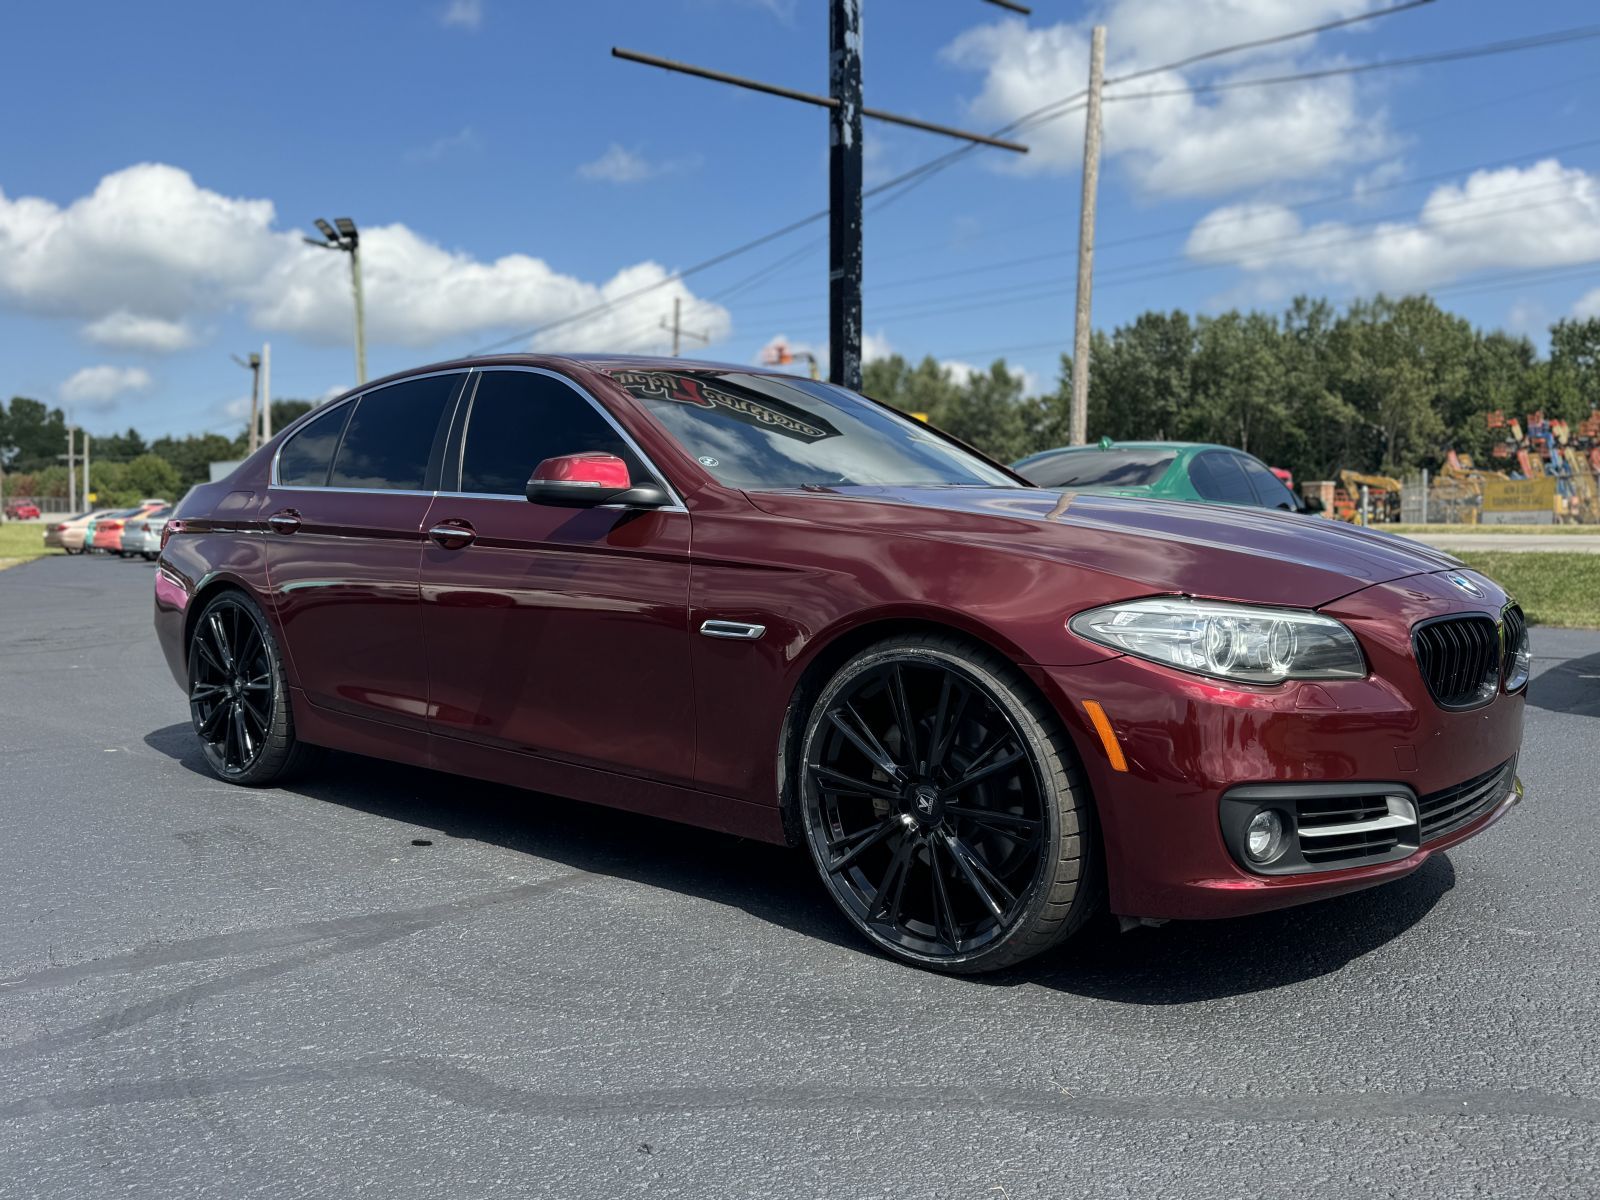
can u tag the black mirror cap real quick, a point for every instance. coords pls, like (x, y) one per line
(566, 494)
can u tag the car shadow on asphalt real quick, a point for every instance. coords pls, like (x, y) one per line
(1188, 962)
(1178, 963)
(771, 883)
(1572, 686)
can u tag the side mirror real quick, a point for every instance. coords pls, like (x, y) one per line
(590, 480)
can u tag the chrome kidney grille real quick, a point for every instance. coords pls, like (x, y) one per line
(1459, 658)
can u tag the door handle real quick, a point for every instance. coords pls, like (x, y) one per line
(284, 521)
(738, 631)
(453, 535)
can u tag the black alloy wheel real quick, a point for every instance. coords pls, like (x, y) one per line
(944, 808)
(237, 693)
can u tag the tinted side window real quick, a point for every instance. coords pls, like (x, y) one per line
(519, 419)
(390, 437)
(1269, 489)
(1217, 476)
(306, 457)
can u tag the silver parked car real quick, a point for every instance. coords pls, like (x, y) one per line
(142, 535)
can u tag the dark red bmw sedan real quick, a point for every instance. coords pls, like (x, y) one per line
(772, 607)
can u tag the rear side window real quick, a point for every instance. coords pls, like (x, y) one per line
(520, 418)
(390, 438)
(1100, 468)
(1269, 489)
(1216, 476)
(306, 457)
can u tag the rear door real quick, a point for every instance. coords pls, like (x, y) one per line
(1217, 476)
(561, 631)
(345, 513)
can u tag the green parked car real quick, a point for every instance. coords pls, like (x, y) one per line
(1161, 471)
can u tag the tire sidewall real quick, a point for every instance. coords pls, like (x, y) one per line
(1002, 692)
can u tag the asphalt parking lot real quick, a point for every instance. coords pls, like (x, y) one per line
(207, 991)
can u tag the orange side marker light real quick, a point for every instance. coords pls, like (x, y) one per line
(1108, 737)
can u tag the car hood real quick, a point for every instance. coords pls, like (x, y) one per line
(1224, 552)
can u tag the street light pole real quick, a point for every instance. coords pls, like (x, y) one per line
(361, 316)
(348, 239)
(844, 193)
(72, 470)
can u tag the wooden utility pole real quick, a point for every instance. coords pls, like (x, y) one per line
(72, 470)
(1079, 432)
(844, 193)
(88, 488)
(677, 330)
(255, 400)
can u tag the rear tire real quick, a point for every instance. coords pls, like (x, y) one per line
(239, 694)
(945, 808)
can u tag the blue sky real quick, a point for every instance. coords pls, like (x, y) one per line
(507, 171)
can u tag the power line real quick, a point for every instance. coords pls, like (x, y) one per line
(1307, 154)
(1560, 37)
(1038, 116)
(1153, 269)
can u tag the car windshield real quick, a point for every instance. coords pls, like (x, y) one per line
(761, 432)
(1100, 468)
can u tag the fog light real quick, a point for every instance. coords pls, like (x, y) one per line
(1263, 837)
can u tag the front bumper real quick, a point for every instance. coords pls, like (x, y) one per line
(1188, 742)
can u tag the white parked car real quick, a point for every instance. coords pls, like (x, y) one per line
(142, 535)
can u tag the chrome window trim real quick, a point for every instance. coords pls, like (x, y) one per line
(293, 487)
(677, 504)
(315, 413)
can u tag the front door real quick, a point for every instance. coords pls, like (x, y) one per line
(345, 517)
(560, 631)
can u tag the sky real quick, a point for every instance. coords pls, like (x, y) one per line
(507, 172)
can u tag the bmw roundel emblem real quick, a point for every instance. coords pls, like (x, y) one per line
(1465, 584)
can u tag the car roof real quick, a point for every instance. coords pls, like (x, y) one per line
(1175, 447)
(594, 362)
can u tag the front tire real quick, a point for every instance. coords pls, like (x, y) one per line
(945, 809)
(239, 694)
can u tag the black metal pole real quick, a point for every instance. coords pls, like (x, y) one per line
(844, 193)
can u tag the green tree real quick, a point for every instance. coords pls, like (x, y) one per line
(1238, 385)
(120, 447)
(192, 456)
(285, 411)
(32, 435)
(989, 411)
(1140, 378)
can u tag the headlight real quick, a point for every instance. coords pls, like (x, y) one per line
(1519, 652)
(1230, 641)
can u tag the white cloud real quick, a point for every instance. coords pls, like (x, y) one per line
(621, 165)
(146, 241)
(1542, 215)
(98, 387)
(464, 140)
(128, 331)
(417, 293)
(1182, 144)
(463, 14)
(149, 251)
(1588, 305)
(618, 165)
(962, 372)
